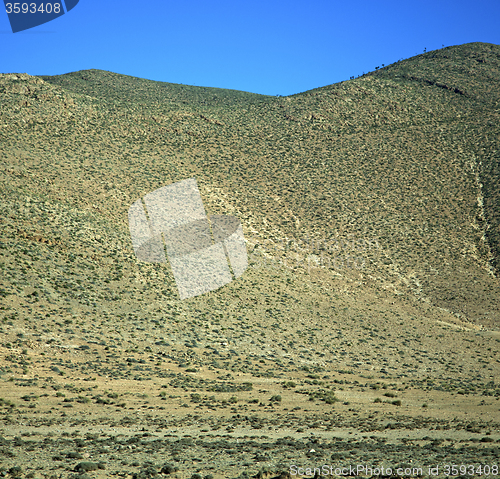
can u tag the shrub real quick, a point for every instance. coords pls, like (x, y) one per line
(487, 439)
(168, 469)
(86, 466)
(16, 471)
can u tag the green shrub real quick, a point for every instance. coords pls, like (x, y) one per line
(86, 466)
(168, 469)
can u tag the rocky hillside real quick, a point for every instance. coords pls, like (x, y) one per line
(370, 307)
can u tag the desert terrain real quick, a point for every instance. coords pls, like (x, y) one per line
(365, 330)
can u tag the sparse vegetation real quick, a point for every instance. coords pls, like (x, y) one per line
(305, 356)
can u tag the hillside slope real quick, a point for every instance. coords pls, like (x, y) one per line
(407, 154)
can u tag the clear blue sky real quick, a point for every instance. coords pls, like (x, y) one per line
(271, 47)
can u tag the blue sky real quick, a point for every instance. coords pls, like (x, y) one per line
(269, 47)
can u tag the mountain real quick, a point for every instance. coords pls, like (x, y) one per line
(370, 308)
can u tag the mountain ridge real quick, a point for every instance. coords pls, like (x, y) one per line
(336, 113)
